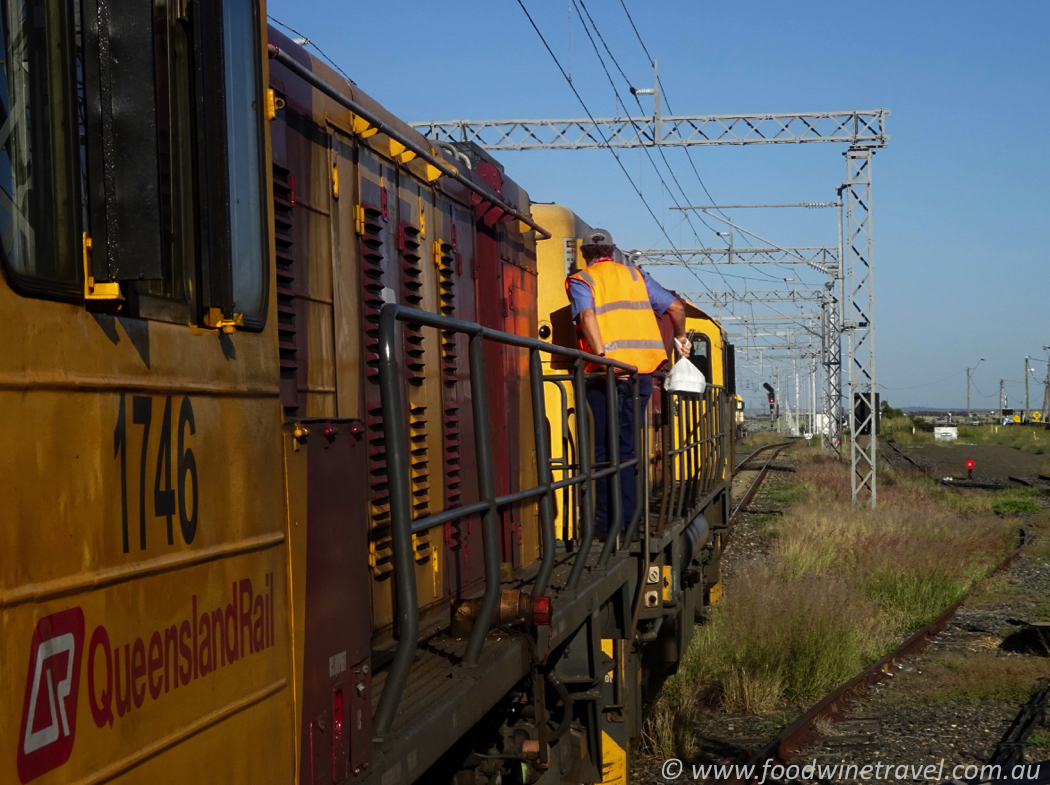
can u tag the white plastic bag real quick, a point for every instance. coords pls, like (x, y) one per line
(686, 377)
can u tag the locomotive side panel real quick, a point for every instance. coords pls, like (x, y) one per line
(144, 600)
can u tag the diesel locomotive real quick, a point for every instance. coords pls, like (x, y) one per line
(298, 466)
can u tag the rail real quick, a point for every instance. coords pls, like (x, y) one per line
(753, 488)
(804, 729)
(402, 525)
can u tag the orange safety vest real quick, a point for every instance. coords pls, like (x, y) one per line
(625, 316)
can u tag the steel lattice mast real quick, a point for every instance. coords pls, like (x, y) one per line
(859, 301)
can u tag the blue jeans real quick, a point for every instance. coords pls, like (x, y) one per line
(596, 398)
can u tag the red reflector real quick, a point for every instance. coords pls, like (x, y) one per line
(970, 464)
(337, 713)
(541, 611)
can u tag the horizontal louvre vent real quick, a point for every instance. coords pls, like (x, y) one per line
(283, 186)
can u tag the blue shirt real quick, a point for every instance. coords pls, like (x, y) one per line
(581, 297)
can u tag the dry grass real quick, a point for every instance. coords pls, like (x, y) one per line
(776, 640)
(976, 677)
(1039, 527)
(913, 556)
(762, 438)
(840, 588)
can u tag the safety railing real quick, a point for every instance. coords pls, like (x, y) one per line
(582, 475)
(694, 441)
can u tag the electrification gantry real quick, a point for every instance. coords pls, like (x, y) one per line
(849, 314)
(854, 127)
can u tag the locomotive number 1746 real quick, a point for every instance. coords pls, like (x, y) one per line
(167, 500)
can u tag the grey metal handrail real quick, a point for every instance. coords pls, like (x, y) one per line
(691, 468)
(402, 526)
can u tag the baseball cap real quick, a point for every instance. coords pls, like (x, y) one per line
(597, 237)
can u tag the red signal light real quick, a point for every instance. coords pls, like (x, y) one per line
(970, 464)
(541, 611)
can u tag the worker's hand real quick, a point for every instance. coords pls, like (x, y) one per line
(685, 348)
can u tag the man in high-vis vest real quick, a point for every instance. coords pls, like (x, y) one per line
(615, 308)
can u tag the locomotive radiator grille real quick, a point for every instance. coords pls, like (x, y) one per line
(409, 245)
(444, 258)
(372, 273)
(412, 292)
(381, 550)
(286, 326)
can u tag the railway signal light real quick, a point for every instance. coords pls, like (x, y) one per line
(970, 465)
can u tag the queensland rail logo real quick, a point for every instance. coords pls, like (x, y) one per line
(49, 714)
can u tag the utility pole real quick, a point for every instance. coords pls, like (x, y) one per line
(1002, 395)
(969, 373)
(1046, 389)
(1026, 370)
(780, 398)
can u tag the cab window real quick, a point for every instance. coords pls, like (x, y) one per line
(158, 115)
(701, 354)
(39, 183)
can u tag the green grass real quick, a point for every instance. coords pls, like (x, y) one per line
(783, 494)
(1040, 739)
(1027, 438)
(1016, 500)
(913, 599)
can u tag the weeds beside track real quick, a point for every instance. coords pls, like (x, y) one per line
(839, 588)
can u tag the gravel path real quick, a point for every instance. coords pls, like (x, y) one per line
(994, 461)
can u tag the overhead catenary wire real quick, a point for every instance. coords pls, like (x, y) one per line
(582, 12)
(638, 101)
(623, 106)
(605, 141)
(664, 93)
(667, 103)
(308, 42)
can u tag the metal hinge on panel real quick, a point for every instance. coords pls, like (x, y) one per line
(362, 127)
(92, 289)
(273, 104)
(216, 321)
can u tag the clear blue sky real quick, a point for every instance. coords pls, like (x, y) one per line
(960, 194)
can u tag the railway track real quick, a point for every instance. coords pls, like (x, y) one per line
(786, 745)
(778, 447)
(749, 494)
